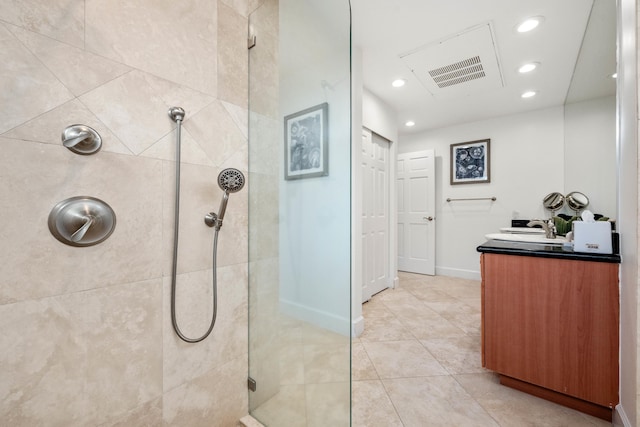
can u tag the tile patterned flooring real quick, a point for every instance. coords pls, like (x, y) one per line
(418, 364)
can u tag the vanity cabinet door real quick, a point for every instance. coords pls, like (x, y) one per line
(553, 323)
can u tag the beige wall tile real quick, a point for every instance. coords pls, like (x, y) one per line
(228, 340)
(23, 77)
(49, 126)
(86, 323)
(44, 17)
(190, 151)
(79, 70)
(216, 132)
(232, 56)
(217, 398)
(69, 359)
(35, 178)
(148, 414)
(173, 40)
(135, 106)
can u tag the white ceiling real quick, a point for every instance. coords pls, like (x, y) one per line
(386, 30)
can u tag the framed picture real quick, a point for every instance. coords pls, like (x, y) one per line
(470, 162)
(306, 143)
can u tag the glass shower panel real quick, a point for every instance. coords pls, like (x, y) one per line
(300, 213)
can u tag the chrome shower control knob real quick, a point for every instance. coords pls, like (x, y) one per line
(81, 139)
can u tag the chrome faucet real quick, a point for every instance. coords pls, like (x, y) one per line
(548, 226)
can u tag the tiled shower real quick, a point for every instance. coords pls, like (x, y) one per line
(86, 332)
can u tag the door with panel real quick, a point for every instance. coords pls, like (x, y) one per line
(416, 212)
(375, 213)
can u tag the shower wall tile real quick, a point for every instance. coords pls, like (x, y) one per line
(68, 359)
(90, 339)
(240, 116)
(79, 70)
(148, 414)
(216, 132)
(265, 16)
(173, 40)
(267, 150)
(276, 349)
(190, 151)
(23, 77)
(211, 399)
(134, 107)
(232, 56)
(264, 220)
(37, 176)
(200, 195)
(228, 340)
(48, 127)
(44, 17)
(264, 77)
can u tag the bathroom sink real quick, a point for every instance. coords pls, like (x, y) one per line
(526, 238)
(522, 230)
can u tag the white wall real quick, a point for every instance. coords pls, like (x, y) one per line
(590, 153)
(527, 162)
(627, 411)
(315, 213)
(379, 117)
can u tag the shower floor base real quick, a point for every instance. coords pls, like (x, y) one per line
(249, 421)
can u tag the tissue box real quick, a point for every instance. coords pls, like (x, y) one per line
(592, 237)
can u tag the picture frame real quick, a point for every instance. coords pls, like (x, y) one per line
(306, 143)
(470, 162)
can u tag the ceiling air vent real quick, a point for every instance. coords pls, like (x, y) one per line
(458, 65)
(460, 72)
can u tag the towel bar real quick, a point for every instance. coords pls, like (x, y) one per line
(493, 199)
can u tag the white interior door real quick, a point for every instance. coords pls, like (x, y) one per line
(375, 214)
(416, 212)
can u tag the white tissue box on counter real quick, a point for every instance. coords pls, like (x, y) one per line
(592, 237)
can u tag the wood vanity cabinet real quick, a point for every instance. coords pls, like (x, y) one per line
(550, 328)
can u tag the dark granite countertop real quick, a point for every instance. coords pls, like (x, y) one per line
(542, 251)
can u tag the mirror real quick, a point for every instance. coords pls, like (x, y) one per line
(577, 201)
(553, 202)
(590, 114)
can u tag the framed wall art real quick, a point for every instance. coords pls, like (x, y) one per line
(470, 162)
(306, 143)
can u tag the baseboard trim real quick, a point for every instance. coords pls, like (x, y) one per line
(322, 319)
(620, 418)
(590, 408)
(457, 272)
(357, 327)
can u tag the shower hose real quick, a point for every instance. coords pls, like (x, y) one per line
(178, 119)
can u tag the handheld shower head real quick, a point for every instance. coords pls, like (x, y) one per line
(230, 181)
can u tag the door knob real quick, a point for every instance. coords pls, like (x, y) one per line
(428, 218)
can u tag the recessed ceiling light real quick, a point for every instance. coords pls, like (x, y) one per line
(398, 83)
(529, 94)
(410, 123)
(526, 68)
(529, 24)
(614, 75)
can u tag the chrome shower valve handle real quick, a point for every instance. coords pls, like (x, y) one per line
(81, 139)
(80, 232)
